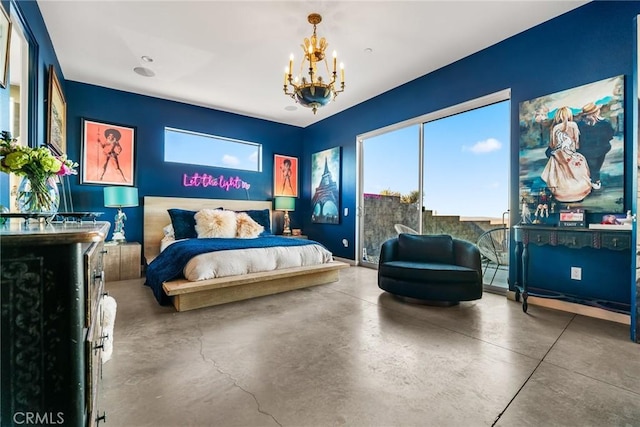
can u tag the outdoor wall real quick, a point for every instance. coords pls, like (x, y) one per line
(382, 213)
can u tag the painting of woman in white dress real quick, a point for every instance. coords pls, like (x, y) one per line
(567, 172)
(558, 152)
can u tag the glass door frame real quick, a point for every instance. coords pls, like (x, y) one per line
(635, 191)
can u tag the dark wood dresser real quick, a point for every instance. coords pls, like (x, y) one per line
(52, 283)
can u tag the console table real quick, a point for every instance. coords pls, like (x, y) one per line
(575, 238)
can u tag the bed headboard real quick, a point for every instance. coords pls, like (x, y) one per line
(156, 215)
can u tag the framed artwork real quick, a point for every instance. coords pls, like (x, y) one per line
(572, 150)
(5, 43)
(108, 153)
(56, 114)
(325, 181)
(285, 176)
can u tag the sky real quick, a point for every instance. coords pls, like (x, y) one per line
(198, 149)
(466, 168)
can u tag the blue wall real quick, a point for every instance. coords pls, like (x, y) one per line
(582, 46)
(30, 19)
(154, 177)
(588, 44)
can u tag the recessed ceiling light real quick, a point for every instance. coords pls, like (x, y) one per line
(146, 58)
(291, 108)
(145, 72)
(368, 50)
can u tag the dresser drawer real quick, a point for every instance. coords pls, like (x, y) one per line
(615, 241)
(94, 345)
(575, 239)
(539, 237)
(94, 278)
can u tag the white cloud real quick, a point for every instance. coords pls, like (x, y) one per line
(253, 157)
(486, 146)
(230, 160)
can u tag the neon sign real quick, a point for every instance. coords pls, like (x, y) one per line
(206, 180)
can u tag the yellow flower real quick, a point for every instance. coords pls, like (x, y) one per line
(37, 163)
(16, 160)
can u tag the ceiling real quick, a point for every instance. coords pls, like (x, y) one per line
(231, 55)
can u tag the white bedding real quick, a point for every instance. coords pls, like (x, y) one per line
(254, 260)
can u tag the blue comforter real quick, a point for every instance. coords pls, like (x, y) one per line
(171, 262)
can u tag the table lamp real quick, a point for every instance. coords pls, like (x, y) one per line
(120, 197)
(286, 204)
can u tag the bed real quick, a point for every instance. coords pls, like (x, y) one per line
(189, 295)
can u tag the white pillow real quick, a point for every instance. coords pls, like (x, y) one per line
(215, 223)
(168, 231)
(246, 227)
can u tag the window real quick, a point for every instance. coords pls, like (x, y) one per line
(195, 148)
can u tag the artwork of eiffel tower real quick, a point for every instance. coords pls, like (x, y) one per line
(326, 192)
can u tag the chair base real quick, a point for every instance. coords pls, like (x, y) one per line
(434, 303)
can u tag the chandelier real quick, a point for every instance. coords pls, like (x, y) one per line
(314, 91)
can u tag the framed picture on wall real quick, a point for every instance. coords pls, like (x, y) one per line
(5, 43)
(285, 176)
(56, 114)
(108, 153)
(572, 144)
(325, 190)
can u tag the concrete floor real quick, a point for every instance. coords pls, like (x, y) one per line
(349, 354)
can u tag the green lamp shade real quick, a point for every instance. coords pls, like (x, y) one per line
(120, 197)
(285, 203)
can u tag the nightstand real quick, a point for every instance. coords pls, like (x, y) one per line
(121, 261)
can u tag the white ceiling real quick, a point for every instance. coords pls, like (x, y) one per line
(231, 55)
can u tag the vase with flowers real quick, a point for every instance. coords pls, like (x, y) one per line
(38, 192)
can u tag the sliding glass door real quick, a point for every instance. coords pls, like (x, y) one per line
(390, 177)
(466, 183)
(442, 173)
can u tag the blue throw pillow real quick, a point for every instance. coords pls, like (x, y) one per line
(426, 248)
(184, 223)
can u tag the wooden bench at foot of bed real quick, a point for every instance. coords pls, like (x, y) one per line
(188, 295)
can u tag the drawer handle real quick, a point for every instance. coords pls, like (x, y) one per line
(574, 241)
(104, 337)
(102, 417)
(539, 238)
(104, 251)
(615, 242)
(99, 275)
(99, 347)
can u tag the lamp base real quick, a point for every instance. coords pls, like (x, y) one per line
(118, 237)
(287, 224)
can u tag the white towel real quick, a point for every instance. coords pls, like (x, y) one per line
(109, 306)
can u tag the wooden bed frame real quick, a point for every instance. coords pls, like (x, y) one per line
(187, 295)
